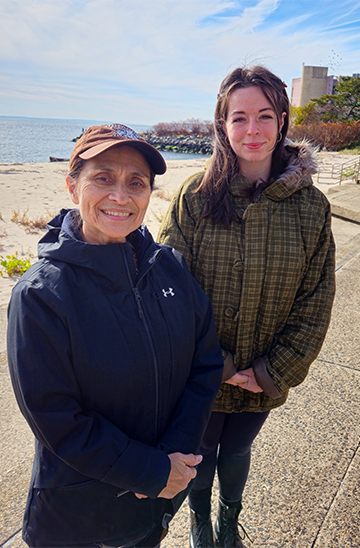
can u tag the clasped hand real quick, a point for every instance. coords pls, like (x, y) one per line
(182, 472)
(246, 380)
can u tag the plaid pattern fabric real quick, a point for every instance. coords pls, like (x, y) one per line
(270, 277)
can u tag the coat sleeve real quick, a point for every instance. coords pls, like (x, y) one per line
(178, 226)
(298, 344)
(50, 398)
(192, 413)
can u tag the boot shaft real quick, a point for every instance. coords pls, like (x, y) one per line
(226, 526)
(201, 533)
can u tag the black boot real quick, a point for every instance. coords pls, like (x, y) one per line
(201, 532)
(226, 527)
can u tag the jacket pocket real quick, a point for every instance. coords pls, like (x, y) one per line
(86, 513)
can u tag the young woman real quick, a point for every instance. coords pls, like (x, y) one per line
(114, 358)
(256, 235)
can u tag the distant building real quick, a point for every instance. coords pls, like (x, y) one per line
(313, 83)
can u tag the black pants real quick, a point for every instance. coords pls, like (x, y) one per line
(226, 445)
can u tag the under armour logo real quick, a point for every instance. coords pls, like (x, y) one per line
(168, 292)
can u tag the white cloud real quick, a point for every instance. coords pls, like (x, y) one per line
(255, 15)
(142, 41)
(156, 56)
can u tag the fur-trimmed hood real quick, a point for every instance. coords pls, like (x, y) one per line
(302, 163)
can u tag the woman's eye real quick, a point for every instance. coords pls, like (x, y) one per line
(103, 179)
(136, 183)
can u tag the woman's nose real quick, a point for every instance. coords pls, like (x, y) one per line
(119, 193)
(253, 127)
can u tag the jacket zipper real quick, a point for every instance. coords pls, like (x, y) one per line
(148, 333)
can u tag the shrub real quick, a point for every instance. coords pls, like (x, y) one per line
(193, 126)
(12, 265)
(332, 136)
(304, 115)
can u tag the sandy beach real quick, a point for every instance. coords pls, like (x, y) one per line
(38, 191)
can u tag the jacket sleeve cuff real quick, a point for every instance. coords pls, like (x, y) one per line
(229, 368)
(140, 469)
(264, 379)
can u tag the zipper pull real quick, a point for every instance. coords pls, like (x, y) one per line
(138, 299)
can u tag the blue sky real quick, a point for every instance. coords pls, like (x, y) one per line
(149, 61)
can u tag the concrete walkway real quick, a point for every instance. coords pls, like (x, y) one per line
(304, 487)
(345, 201)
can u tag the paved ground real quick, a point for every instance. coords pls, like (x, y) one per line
(304, 488)
(345, 202)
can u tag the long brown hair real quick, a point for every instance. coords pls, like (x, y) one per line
(224, 163)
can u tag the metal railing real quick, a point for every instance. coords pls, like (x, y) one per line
(340, 172)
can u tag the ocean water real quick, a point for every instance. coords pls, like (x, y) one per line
(36, 139)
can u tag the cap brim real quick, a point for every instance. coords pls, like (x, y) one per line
(154, 158)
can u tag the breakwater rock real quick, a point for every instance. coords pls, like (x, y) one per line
(194, 144)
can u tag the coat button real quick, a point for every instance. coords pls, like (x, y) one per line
(238, 264)
(229, 312)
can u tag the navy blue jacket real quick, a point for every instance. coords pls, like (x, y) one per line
(115, 364)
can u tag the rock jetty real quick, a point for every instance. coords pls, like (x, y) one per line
(194, 144)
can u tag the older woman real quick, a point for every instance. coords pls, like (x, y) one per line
(113, 356)
(256, 235)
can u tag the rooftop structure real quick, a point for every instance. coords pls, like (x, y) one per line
(313, 83)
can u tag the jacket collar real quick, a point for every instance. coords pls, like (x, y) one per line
(62, 243)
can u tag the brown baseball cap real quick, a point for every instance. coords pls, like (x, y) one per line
(97, 139)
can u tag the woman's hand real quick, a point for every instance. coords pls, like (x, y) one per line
(182, 472)
(246, 380)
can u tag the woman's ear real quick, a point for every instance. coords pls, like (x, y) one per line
(72, 187)
(283, 116)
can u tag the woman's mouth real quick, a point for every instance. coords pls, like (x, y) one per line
(253, 146)
(116, 213)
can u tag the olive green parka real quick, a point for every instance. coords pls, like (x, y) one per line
(270, 276)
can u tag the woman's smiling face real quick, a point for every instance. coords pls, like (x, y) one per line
(252, 129)
(113, 192)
